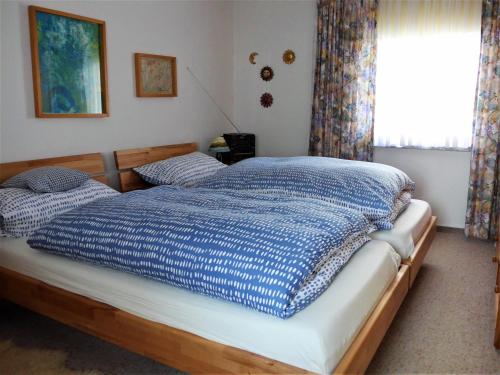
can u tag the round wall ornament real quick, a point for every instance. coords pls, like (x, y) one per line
(266, 100)
(267, 73)
(288, 56)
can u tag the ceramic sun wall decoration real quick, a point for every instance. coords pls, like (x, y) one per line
(288, 56)
(266, 100)
(267, 73)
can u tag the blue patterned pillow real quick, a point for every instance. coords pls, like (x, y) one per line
(379, 191)
(23, 211)
(185, 170)
(48, 179)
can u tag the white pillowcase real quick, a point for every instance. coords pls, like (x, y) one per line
(185, 170)
(22, 211)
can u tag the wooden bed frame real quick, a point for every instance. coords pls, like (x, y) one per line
(422, 246)
(183, 350)
(170, 346)
(93, 164)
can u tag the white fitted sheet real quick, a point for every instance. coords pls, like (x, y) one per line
(314, 339)
(407, 229)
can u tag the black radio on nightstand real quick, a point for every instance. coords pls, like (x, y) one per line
(241, 146)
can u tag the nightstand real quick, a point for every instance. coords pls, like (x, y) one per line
(241, 146)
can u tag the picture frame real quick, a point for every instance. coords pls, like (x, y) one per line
(70, 79)
(155, 75)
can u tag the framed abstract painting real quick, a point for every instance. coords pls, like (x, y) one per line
(68, 55)
(155, 75)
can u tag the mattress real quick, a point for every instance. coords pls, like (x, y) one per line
(314, 339)
(408, 228)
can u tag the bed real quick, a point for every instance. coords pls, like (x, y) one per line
(309, 340)
(411, 237)
(23, 281)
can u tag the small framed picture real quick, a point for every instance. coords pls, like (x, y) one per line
(155, 75)
(69, 64)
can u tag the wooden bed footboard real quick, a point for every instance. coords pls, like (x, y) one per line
(365, 345)
(180, 349)
(173, 347)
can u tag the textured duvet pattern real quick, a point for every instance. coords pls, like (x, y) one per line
(378, 191)
(271, 253)
(22, 211)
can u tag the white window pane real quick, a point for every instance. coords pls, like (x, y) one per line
(427, 61)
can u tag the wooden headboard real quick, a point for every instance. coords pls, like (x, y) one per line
(90, 163)
(127, 159)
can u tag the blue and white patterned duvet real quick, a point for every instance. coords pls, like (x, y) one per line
(271, 253)
(378, 191)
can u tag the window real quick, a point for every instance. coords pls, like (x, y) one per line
(427, 62)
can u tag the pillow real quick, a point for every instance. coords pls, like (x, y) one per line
(185, 170)
(23, 211)
(379, 191)
(48, 179)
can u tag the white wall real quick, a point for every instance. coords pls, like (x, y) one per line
(442, 179)
(198, 33)
(271, 27)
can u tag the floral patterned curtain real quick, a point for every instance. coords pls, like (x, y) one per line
(344, 84)
(484, 194)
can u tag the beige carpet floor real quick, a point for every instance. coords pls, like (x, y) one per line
(446, 323)
(444, 326)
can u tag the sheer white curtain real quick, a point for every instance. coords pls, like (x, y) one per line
(427, 61)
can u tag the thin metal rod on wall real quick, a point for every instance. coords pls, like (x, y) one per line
(213, 100)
